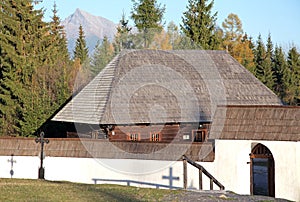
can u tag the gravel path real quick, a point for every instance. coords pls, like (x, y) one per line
(193, 196)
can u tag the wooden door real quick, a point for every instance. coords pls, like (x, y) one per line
(262, 171)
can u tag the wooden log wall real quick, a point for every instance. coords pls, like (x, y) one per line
(168, 132)
(89, 148)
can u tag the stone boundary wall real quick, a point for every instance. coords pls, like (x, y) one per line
(90, 148)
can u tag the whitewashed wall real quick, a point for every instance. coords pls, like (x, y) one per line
(140, 173)
(232, 170)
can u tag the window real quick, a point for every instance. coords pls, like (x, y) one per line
(133, 136)
(199, 135)
(155, 137)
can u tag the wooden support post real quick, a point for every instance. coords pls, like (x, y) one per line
(184, 173)
(211, 184)
(200, 179)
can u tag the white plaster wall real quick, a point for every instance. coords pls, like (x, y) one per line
(24, 167)
(232, 170)
(84, 170)
(140, 173)
(286, 169)
(231, 166)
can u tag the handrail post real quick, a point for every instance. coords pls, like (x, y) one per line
(184, 173)
(202, 170)
(200, 180)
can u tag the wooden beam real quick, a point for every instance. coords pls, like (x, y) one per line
(200, 180)
(184, 173)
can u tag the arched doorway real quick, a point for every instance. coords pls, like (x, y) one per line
(262, 171)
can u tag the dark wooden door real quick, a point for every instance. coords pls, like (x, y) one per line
(262, 171)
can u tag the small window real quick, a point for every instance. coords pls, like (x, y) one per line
(199, 135)
(155, 137)
(133, 136)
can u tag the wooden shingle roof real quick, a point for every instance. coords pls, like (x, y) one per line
(281, 123)
(152, 86)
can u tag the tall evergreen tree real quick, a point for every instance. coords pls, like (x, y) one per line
(174, 35)
(122, 38)
(292, 94)
(23, 50)
(147, 16)
(280, 72)
(103, 54)
(199, 24)
(263, 69)
(81, 49)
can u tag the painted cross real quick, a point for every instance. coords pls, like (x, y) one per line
(170, 178)
(42, 140)
(11, 161)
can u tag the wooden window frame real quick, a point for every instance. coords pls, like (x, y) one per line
(130, 137)
(195, 137)
(155, 139)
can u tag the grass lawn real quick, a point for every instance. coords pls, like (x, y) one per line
(39, 190)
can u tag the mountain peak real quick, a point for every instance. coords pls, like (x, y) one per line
(94, 27)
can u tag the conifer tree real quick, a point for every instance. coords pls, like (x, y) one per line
(122, 39)
(23, 50)
(147, 16)
(103, 54)
(81, 49)
(263, 69)
(199, 24)
(281, 73)
(174, 35)
(292, 94)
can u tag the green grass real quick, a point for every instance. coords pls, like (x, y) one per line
(40, 190)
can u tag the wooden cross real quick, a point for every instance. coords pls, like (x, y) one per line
(171, 178)
(42, 140)
(11, 161)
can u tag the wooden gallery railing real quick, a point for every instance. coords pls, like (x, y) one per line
(201, 170)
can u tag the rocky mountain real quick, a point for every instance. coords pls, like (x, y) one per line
(94, 27)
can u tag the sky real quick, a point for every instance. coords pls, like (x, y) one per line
(280, 18)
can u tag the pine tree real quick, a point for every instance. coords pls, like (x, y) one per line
(122, 38)
(199, 24)
(147, 16)
(23, 44)
(280, 72)
(292, 94)
(263, 69)
(81, 50)
(174, 35)
(33, 58)
(103, 54)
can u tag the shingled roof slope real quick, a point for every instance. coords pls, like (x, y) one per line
(281, 123)
(151, 86)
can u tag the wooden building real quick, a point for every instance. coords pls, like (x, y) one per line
(162, 96)
(161, 105)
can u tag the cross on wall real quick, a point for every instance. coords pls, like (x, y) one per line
(11, 161)
(171, 178)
